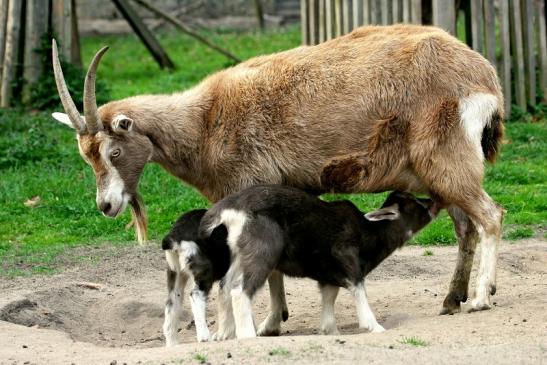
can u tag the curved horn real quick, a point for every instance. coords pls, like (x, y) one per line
(68, 104)
(92, 119)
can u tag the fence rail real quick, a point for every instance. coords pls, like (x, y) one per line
(511, 34)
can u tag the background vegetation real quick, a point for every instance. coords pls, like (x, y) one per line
(39, 157)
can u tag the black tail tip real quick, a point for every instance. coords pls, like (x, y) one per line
(492, 136)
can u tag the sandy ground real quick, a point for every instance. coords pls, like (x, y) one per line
(56, 320)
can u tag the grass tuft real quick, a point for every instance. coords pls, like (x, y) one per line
(428, 252)
(279, 351)
(414, 341)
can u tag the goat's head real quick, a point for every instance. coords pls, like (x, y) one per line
(407, 213)
(108, 141)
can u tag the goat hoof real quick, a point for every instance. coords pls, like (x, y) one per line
(330, 331)
(451, 303)
(264, 330)
(479, 305)
(378, 329)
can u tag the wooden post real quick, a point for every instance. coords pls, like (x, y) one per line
(322, 21)
(517, 52)
(386, 12)
(376, 11)
(356, 14)
(542, 49)
(75, 52)
(416, 11)
(61, 21)
(367, 12)
(259, 13)
(397, 11)
(36, 26)
(13, 30)
(312, 21)
(338, 15)
(444, 15)
(3, 21)
(490, 26)
(407, 17)
(144, 34)
(328, 16)
(506, 51)
(345, 16)
(477, 25)
(304, 21)
(529, 50)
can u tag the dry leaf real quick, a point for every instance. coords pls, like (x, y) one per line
(32, 202)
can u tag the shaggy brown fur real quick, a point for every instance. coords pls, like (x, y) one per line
(374, 110)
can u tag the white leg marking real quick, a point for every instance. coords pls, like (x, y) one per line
(198, 301)
(172, 257)
(271, 326)
(234, 221)
(328, 321)
(475, 113)
(173, 310)
(226, 325)
(486, 276)
(243, 313)
(367, 319)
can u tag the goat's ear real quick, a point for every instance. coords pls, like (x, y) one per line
(63, 118)
(390, 213)
(122, 124)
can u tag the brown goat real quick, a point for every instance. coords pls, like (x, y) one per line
(398, 107)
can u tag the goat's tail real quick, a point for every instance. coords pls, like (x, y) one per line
(492, 136)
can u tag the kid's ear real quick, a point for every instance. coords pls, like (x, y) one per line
(390, 213)
(62, 118)
(122, 124)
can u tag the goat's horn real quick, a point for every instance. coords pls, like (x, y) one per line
(92, 119)
(68, 104)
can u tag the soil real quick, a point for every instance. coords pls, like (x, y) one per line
(110, 310)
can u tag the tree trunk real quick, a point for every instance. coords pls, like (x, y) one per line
(3, 20)
(36, 26)
(11, 54)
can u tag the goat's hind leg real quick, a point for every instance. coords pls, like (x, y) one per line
(467, 242)
(271, 326)
(176, 282)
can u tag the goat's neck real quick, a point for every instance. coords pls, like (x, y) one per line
(383, 242)
(175, 132)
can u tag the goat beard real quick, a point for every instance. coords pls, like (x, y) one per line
(139, 217)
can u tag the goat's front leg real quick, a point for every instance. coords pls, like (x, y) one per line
(198, 301)
(328, 297)
(367, 319)
(271, 326)
(176, 282)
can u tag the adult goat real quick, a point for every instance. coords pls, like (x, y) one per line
(400, 107)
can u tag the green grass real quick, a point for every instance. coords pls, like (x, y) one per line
(39, 157)
(279, 351)
(428, 252)
(413, 341)
(201, 358)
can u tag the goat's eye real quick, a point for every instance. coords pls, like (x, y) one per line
(115, 153)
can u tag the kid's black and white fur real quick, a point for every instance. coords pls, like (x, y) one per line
(266, 228)
(282, 228)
